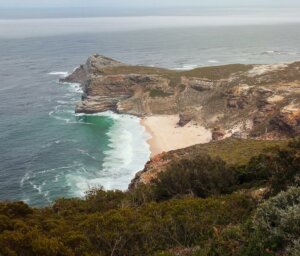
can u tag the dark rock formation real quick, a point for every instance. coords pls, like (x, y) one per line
(239, 135)
(287, 122)
(201, 84)
(185, 118)
(218, 133)
(93, 66)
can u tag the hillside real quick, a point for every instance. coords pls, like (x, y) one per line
(199, 206)
(232, 151)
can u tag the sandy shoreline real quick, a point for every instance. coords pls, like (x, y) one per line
(166, 135)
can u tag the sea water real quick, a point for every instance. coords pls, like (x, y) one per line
(46, 150)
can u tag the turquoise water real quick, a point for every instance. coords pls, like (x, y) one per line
(47, 152)
(85, 151)
(50, 152)
(100, 152)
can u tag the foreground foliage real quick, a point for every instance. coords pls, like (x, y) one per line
(278, 220)
(199, 206)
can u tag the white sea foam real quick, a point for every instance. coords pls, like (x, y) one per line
(73, 87)
(64, 111)
(56, 178)
(59, 73)
(63, 102)
(24, 179)
(37, 187)
(213, 61)
(86, 153)
(280, 52)
(268, 52)
(186, 67)
(40, 183)
(55, 115)
(128, 152)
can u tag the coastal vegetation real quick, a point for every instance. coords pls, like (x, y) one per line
(213, 72)
(200, 205)
(231, 150)
(158, 93)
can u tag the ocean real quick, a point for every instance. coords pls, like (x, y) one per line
(46, 150)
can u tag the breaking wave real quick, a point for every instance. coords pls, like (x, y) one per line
(59, 73)
(127, 152)
(106, 150)
(186, 67)
(275, 52)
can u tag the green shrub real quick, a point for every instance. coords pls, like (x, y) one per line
(200, 177)
(159, 226)
(158, 93)
(96, 200)
(15, 209)
(277, 223)
(143, 230)
(279, 169)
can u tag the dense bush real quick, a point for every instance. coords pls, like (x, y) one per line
(277, 224)
(197, 177)
(96, 199)
(203, 176)
(124, 231)
(279, 169)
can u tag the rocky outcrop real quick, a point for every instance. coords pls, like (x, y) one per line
(93, 66)
(200, 84)
(240, 135)
(218, 133)
(288, 120)
(185, 118)
(157, 164)
(112, 92)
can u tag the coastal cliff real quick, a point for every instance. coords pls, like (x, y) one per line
(240, 105)
(256, 101)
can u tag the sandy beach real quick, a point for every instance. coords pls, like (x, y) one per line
(167, 135)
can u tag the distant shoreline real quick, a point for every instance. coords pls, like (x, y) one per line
(166, 135)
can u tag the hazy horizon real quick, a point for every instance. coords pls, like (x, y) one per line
(141, 3)
(26, 9)
(114, 11)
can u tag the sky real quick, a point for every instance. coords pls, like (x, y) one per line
(141, 3)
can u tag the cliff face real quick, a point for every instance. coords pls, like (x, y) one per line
(261, 101)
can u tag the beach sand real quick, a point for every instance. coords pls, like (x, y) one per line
(167, 135)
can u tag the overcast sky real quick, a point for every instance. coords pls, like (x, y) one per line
(142, 3)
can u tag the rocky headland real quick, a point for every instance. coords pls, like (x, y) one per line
(259, 102)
